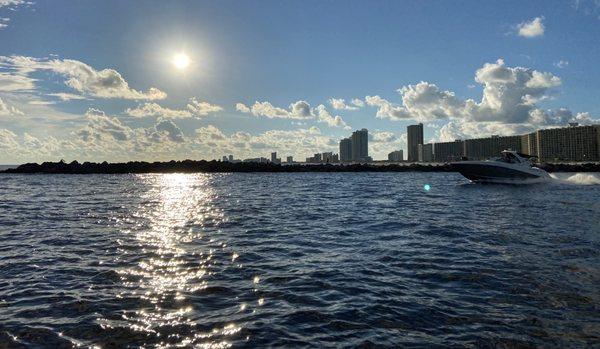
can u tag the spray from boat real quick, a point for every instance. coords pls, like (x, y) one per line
(576, 178)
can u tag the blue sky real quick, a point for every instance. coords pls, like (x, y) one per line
(537, 66)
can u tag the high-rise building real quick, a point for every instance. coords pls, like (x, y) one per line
(290, 159)
(396, 156)
(529, 144)
(327, 157)
(414, 137)
(274, 158)
(346, 150)
(485, 148)
(448, 151)
(574, 143)
(425, 152)
(360, 145)
(224, 158)
(230, 158)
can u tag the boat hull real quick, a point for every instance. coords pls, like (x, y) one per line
(489, 172)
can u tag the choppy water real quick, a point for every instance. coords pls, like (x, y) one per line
(307, 259)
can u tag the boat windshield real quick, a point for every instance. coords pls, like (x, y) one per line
(508, 158)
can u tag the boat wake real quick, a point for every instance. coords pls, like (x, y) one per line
(577, 178)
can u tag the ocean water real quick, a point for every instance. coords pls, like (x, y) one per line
(298, 260)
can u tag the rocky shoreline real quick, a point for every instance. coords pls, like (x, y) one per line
(202, 166)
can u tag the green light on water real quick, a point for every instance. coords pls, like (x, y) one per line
(426, 187)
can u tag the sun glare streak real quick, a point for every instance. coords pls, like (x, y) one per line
(175, 262)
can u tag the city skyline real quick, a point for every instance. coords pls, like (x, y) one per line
(238, 79)
(573, 143)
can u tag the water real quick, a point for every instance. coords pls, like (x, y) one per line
(306, 259)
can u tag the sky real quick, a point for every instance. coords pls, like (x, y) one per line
(161, 80)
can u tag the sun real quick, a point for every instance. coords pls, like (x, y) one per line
(181, 61)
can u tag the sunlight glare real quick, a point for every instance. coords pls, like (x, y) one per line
(181, 61)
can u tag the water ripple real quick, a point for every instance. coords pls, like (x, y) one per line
(296, 260)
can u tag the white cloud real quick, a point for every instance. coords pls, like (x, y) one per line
(465, 130)
(105, 83)
(241, 107)
(194, 108)
(532, 28)
(40, 102)
(102, 127)
(334, 121)
(509, 96)
(8, 110)
(165, 129)
(382, 143)
(358, 102)
(299, 110)
(202, 108)
(340, 104)
(154, 109)
(108, 134)
(299, 143)
(8, 140)
(539, 80)
(386, 109)
(15, 82)
(63, 96)
(11, 5)
(561, 64)
(268, 110)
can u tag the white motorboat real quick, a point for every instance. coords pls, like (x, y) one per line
(510, 167)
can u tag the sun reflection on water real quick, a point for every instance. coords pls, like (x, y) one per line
(170, 263)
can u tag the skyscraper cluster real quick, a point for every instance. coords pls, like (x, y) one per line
(567, 144)
(356, 147)
(323, 158)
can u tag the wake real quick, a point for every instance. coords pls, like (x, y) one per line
(577, 178)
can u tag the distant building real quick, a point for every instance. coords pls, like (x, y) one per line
(315, 159)
(485, 148)
(360, 145)
(396, 156)
(274, 158)
(323, 158)
(574, 143)
(425, 152)
(260, 160)
(327, 157)
(529, 144)
(230, 158)
(290, 159)
(414, 137)
(346, 150)
(448, 151)
(225, 158)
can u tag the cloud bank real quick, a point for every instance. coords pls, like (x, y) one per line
(300, 110)
(80, 77)
(194, 108)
